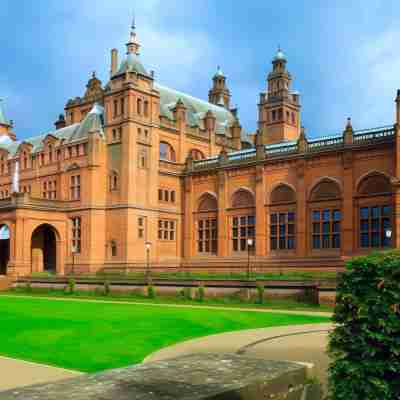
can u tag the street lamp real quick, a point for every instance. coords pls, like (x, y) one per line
(74, 250)
(148, 247)
(250, 243)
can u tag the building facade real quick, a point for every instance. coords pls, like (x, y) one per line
(135, 172)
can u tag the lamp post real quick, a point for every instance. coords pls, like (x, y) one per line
(74, 250)
(148, 247)
(250, 243)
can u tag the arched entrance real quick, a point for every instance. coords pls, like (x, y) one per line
(4, 248)
(44, 249)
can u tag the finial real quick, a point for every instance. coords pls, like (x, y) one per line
(348, 125)
(133, 44)
(94, 74)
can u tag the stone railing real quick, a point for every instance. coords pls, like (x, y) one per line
(348, 139)
(201, 376)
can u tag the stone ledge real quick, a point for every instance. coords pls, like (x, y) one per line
(200, 376)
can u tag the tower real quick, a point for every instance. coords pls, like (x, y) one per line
(219, 94)
(5, 125)
(279, 107)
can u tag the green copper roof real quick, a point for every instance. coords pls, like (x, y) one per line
(3, 119)
(71, 133)
(219, 72)
(131, 63)
(195, 109)
(280, 55)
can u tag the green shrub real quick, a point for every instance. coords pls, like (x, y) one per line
(151, 292)
(200, 293)
(260, 294)
(71, 285)
(107, 288)
(364, 346)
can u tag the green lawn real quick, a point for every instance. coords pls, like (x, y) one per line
(89, 336)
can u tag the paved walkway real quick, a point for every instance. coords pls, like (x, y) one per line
(305, 343)
(18, 373)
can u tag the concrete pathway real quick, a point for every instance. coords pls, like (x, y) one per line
(18, 373)
(305, 343)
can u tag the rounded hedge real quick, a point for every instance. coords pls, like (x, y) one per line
(365, 344)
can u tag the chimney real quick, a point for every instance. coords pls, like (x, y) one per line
(114, 61)
(60, 123)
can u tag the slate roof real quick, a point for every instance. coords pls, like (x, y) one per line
(72, 133)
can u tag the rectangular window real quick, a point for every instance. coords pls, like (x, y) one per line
(243, 228)
(326, 229)
(75, 187)
(166, 229)
(282, 231)
(115, 108)
(376, 226)
(160, 194)
(141, 227)
(76, 234)
(122, 102)
(207, 236)
(172, 196)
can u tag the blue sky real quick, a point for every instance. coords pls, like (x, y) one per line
(343, 55)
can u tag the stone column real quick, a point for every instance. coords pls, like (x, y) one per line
(223, 226)
(301, 212)
(260, 212)
(347, 205)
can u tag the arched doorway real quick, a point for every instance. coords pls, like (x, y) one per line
(4, 248)
(44, 249)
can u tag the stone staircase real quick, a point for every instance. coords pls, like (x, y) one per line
(5, 283)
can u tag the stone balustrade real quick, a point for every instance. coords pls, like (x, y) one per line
(200, 376)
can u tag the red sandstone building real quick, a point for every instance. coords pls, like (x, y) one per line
(135, 168)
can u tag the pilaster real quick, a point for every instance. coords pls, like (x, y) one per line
(223, 236)
(260, 212)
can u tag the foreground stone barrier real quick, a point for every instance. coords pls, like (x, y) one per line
(200, 376)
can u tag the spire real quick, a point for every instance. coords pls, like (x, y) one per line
(133, 45)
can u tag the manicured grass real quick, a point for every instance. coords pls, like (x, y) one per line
(89, 336)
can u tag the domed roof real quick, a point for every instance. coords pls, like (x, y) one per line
(3, 119)
(131, 63)
(219, 72)
(280, 55)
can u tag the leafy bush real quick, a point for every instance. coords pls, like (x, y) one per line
(200, 293)
(365, 346)
(260, 294)
(71, 285)
(151, 292)
(107, 288)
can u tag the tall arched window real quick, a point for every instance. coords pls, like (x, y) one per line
(326, 215)
(167, 152)
(139, 106)
(196, 154)
(243, 221)
(113, 181)
(375, 211)
(283, 218)
(207, 224)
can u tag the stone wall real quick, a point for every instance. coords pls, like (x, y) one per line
(202, 376)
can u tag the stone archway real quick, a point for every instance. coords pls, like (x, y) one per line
(44, 249)
(4, 248)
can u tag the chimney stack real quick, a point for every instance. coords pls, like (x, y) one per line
(114, 61)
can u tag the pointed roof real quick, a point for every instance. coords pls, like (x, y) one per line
(3, 119)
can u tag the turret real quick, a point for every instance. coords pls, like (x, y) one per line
(348, 132)
(60, 123)
(279, 107)
(219, 94)
(5, 124)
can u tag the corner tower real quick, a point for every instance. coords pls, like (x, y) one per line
(279, 107)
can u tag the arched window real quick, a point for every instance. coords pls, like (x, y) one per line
(167, 153)
(242, 198)
(113, 246)
(326, 215)
(207, 224)
(196, 154)
(243, 221)
(113, 181)
(375, 209)
(139, 106)
(283, 218)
